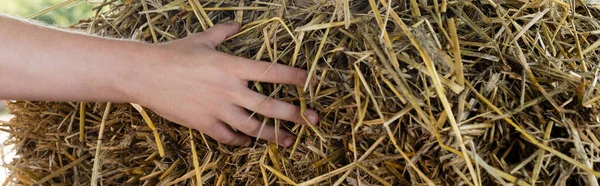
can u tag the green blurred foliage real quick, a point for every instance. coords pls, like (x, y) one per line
(64, 16)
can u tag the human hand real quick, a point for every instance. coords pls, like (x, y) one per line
(194, 85)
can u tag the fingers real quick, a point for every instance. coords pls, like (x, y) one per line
(218, 33)
(273, 108)
(243, 121)
(252, 70)
(222, 133)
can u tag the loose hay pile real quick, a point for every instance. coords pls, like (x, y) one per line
(410, 92)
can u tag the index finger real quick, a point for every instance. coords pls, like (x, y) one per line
(253, 70)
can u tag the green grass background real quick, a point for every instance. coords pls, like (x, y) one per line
(64, 16)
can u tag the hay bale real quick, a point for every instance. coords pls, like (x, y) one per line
(412, 92)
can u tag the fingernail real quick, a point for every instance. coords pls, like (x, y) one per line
(247, 143)
(314, 119)
(289, 141)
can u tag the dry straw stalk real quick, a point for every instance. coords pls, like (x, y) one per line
(410, 92)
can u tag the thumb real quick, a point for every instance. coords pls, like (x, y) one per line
(218, 33)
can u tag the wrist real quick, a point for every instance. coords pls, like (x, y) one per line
(132, 69)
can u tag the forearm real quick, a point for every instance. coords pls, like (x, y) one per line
(39, 63)
(185, 81)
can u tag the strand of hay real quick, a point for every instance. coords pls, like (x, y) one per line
(410, 93)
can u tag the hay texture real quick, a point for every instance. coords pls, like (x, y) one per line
(443, 92)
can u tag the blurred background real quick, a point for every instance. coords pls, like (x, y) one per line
(71, 13)
(61, 13)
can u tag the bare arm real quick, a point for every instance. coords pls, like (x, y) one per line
(185, 81)
(40, 63)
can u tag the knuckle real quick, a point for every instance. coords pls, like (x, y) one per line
(218, 31)
(273, 70)
(253, 129)
(232, 93)
(301, 75)
(266, 107)
(296, 116)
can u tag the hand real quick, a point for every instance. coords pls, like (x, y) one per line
(194, 85)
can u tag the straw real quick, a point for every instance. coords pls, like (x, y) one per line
(408, 93)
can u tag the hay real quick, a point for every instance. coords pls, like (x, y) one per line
(410, 92)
